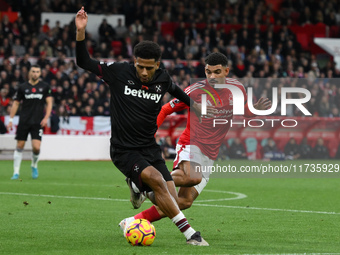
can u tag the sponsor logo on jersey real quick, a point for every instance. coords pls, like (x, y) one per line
(142, 94)
(34, 96)
(131, 82)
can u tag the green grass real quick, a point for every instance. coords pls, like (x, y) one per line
(65, 214)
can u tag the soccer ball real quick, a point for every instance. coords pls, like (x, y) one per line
(140, 232)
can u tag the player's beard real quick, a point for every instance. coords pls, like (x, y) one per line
(214, 81)
(34, 79)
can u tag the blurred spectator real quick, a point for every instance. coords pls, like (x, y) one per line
(46, 49)
(335, 112)
(337, 156)
(46, 27)
(106, 32)
(18, 48)
(4, 101)
(237, 150)
(320, 151)
(88, 112)
(305, 149)
(292, 149)
(121, 30)
(223, 152)
(271, 152)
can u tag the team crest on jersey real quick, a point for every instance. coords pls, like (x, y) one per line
(158, 88)
(135, 168)
(40, 89)
(174, 102)
(27, 90)
(130, 82)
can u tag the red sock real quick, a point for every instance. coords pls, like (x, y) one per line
(150, 214)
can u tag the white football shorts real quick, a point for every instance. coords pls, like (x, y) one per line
(193, 154)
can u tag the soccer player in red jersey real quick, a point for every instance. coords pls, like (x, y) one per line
(199, 144)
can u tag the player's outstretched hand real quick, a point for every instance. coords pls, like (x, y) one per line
(197, 108)
(81, 19)
(263, 104)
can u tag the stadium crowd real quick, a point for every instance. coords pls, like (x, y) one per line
(254, 53)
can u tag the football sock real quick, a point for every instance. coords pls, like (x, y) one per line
(35, 158)
(150, 214)
(183, 225)
(17, 160)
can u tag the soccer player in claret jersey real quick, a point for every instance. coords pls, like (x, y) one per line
(199, 144)
(34, 94)
(136, 94)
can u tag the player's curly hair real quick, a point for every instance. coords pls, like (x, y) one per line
(216, 58)
(147, 50)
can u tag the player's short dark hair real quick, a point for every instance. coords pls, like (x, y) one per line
(35, 66)
(215, 59)
(147, 50)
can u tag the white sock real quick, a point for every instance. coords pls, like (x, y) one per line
(182, 223)
(17, 157)
(35, 158)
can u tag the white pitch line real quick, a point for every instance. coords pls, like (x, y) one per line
(238, 196)
(70, 197)
(280, 254)
(266, 209)
(204, 205)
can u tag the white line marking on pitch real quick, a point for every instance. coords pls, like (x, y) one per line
(282, 254)
(266, 209)
(204, 205)
(238, 196)
(70, 197)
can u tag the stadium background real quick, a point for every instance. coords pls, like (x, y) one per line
(262, 39)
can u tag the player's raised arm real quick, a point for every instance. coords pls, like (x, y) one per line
(82, 56)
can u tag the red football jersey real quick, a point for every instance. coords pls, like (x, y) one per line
(204, 135)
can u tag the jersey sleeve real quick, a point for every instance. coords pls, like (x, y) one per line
(48, 92)
(174, 105)
(108, 71)
(19, 94)
(105, 71)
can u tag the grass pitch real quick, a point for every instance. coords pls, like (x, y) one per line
(75, 207)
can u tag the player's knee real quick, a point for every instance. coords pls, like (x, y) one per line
(194, 181)
(184, 203)
(155, 181)
(36, 150)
